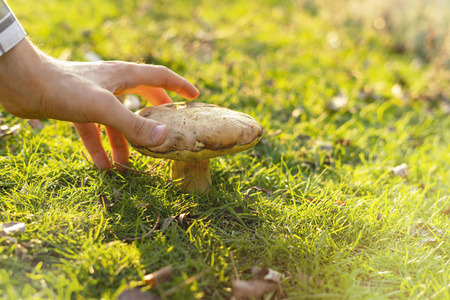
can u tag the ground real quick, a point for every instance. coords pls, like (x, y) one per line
(319, 199)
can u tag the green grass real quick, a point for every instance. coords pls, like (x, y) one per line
(265, 60)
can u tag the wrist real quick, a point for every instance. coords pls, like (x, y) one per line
(20, 79)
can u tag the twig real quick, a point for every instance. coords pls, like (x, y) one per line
(141, 237)
(184, 283)
(151, 173)
(236, 274)
(274, 134)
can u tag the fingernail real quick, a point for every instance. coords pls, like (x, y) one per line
(158, 133)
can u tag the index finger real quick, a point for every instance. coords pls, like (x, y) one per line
(162, 77)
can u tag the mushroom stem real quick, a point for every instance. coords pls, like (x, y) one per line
(195, 176)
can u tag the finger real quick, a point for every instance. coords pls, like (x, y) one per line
(158, 76)
(119, 147)
(90, 136)
(138, 130)
(155, 96)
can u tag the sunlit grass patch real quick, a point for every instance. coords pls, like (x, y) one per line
(316, 200)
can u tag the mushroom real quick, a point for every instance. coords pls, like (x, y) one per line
(197, 132)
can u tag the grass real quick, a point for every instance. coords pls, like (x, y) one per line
(332, 218)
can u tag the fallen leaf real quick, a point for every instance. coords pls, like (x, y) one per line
(262, 190)
(342, 142)
(326, 146)
(249, 289)
(180, 219)
(104, 201)
(397, 91)
(425, 230)
(11, 228)
(400, 170)
(143, 205)
(151, 172)
(340, 203)
(35, 123)
(136, 294)
(446, 212)
(303, 137)
(158, 277)
(429, 241)
(167, 221)
(275, 133)
(379, 216)
(333, 39)
(5, 130)
(84, 182)
(266, 274)
(297, 112)
(116, 194)
(338, 102)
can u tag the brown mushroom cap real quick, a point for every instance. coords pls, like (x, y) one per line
(198, 131)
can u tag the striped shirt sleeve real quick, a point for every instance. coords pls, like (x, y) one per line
(11, 32)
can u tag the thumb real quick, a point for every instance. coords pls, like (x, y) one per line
(146, 132)
(138, 130)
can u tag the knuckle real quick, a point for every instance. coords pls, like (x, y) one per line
(164, 74)
(139, 126)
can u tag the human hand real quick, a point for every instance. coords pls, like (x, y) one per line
(36, 86)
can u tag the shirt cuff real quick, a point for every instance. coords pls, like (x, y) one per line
(11, 32)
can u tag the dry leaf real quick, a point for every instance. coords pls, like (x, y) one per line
(5, 130)
(262, 190)
(266, 274)
(35, 123)
(143, 205)
(428, 241)
(400, 170)
(116, 194)
(167, 221)
(136, 294)
(158, 277)
(446, 212)
(425, 231)
(84, 182)
(181, 220)
(338, 102)
(326, 146)
(340, 203)
(297, 112)
(11, 228)
(104, 201)
(342, 142)
(397, 91)
(249, 289)
(333, 40)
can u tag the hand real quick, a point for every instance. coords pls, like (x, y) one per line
(36, 86)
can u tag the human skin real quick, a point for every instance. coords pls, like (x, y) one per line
(34, 85)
